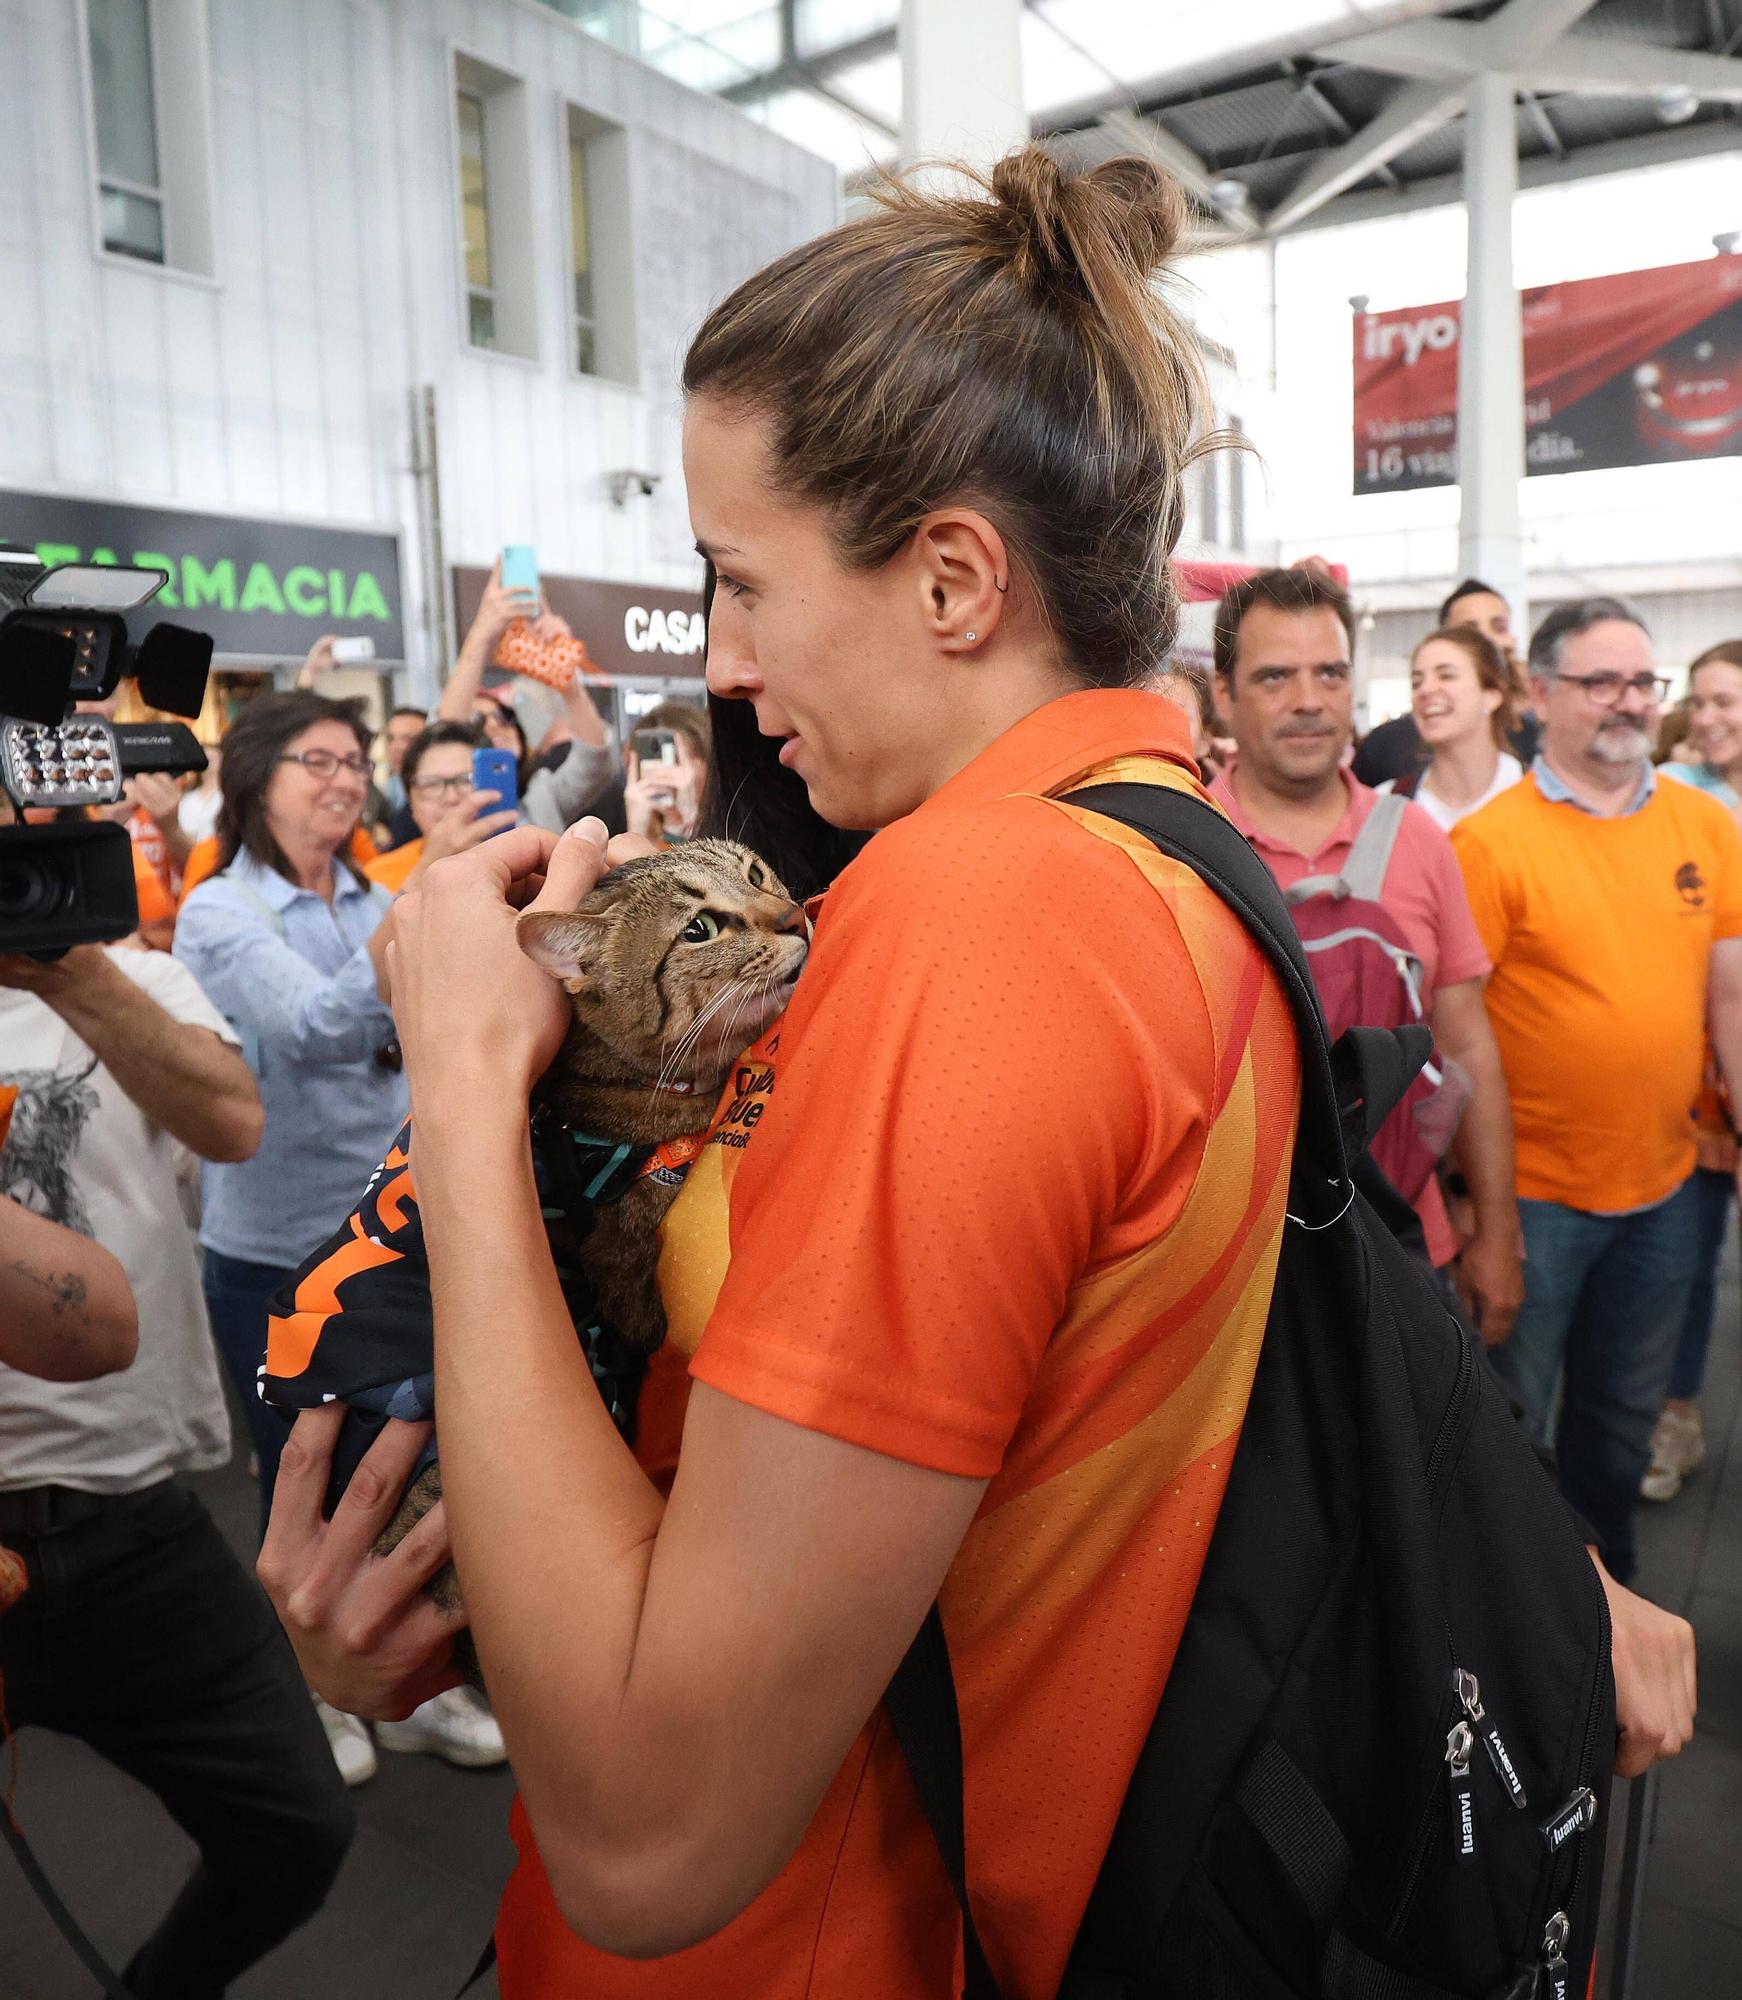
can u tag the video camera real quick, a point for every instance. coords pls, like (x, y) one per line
(64, 641)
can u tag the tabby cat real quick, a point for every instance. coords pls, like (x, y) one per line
(674, 964)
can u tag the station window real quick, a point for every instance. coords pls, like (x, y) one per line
(581, 252)
(495, 209)
(601, 271)
(149, 114)
(475, 220)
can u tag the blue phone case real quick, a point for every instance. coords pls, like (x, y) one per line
(520, 567)
(496, 771)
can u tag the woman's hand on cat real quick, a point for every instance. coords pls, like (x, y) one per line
(478, 1021)
(365, 1635)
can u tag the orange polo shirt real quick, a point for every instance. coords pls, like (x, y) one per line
(1001, 1194)
(1601, 932)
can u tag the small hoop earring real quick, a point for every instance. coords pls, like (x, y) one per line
(970, 637)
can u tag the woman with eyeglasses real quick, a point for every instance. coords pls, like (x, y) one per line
(449, 814)
(287, 939)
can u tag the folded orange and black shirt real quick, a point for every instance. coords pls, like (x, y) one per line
(355, 1324)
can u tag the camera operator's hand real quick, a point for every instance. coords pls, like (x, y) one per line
(66, 1309)
(184, 1078)
(365, 1635)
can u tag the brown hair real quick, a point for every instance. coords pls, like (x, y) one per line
(1726, 653)
(1283, 590)
(1003, 349)
(252, 747)
(1493, 670)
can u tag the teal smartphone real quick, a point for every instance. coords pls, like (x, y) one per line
(520, 567)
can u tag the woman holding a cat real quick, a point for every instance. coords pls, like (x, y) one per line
(966, 1288)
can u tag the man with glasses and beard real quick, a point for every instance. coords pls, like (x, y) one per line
(1611, 906)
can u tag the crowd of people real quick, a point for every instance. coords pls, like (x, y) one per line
(1523, 871)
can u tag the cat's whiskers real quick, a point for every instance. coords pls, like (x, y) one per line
(687, 1040)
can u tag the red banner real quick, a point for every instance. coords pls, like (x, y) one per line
(1640, 369)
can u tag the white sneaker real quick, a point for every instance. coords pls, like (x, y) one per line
(456, 1724)
(349, 1740)
(1678, 1450)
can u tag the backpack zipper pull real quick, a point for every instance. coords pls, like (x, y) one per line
(1459, 1744)
(1469, 1692)
(1576, 1816)
(1554, 1955)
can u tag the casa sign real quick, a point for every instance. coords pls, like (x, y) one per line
(631, 631)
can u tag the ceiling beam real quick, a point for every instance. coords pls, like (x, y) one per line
(1626, 69)
(1616, 156)
(1441, 50)
(1412, 111)
(803, 73)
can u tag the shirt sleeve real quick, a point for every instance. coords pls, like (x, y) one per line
(175, 990)
(1727, 873)
(271, 992)
(999, 1049)
(555, 799)
(1484, 892)
(1463, 952)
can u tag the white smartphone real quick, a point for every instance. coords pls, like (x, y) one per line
(351, 652)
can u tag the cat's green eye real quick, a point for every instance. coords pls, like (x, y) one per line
(700, 928)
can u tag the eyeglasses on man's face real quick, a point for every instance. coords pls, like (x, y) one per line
(1606, 690)
(323, 764)
(434, 788)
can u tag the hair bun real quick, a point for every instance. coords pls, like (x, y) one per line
(1070, 224)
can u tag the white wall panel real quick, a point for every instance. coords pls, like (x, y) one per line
(282, 387)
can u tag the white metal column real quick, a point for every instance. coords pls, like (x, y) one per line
(1491, 354)
(961, 80)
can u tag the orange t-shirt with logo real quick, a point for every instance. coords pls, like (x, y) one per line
(1000, 1194)
(1601, 932)
(207, 856)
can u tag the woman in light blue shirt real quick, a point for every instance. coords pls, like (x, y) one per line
(288, 940)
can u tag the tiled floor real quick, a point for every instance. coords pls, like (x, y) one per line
(415, 1900)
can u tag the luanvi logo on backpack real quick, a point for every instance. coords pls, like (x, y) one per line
(1458, 1746)
(1576, 1816)
(1469, 1692)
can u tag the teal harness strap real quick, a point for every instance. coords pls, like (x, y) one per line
(616, 1154)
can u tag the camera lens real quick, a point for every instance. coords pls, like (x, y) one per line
(29, 890)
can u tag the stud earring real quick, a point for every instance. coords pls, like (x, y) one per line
(970, 637)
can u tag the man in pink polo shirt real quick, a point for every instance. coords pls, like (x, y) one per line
(1284, 686)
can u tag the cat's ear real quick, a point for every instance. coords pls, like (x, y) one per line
(568, 944)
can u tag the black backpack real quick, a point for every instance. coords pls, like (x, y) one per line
(1377, 1764)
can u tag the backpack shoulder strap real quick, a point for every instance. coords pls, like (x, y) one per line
(1190, 831)
(1370, 857)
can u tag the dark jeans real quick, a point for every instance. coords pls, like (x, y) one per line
(1604, 1300)
(1713, 1191)
(236, 1295)
(141, 1634)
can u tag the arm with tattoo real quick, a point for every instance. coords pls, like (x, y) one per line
(66, 1310)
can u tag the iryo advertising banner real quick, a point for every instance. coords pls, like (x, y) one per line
(1640, 369)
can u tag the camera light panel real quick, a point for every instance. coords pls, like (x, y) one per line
(73, 763)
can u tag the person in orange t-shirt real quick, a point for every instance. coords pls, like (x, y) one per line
(451, 817)
(1611, 904)
(966, 1290)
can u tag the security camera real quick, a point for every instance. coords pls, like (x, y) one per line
(621, 485)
